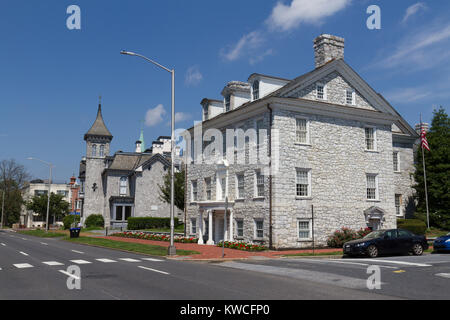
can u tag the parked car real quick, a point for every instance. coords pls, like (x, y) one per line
(394, 241)
(442, 243)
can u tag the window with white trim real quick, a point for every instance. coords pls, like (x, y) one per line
(372, 186)
(205, 113)
(194, 191)
(304, 229)
(259, 228)
(321, 93)
(301, 130)
(193, 226)
(303, 185)
(350, 97)
(255, 90)
(370, 138)
(123, 186)
(102, 150)
(240, 186)
(240, 228)
(259, 184)
(208, 188)
(227, 103)
(398, 205)
(396, 160)
(94, 150)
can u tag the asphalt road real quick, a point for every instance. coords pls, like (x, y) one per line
(37, 268)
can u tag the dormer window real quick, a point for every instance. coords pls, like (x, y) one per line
(205, 113)
(227, 103)
(255, 90)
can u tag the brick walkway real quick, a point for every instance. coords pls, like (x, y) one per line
(214, 252)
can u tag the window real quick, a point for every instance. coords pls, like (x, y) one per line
(304, 229)
(62, 193)
(227, 103)
(255, 88)
(193, 226)
(398, 205)
(205, 113)
(321, 92)
(372, 187)
(194, 191)
(350, 96)
(119, 213)
(259, 184)
(302, 184)
(370, 139)
(94, 150)
(123, 186)
(123, 213)
(301, 130)
(396, 162)
(208, 188)
(259, 228)
(240, 186)
(40, 192)
(102, 150)
(240, 228)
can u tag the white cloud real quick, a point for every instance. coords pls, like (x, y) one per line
(248, 42)
(408, 95)
(286, 17)
(155, 115)
(193, 76)
(412, 10)
(181, 116)
(258, 58)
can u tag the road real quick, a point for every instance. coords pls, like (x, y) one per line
(37, 268)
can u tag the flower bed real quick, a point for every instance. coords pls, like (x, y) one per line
(155, 237)
(242, 246)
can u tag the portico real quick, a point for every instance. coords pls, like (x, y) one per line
(211, 222)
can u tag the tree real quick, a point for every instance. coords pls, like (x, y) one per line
(179, 189)
(13, 177)
(58, 207)
(437, 163)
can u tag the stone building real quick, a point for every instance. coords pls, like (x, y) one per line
(339, 155)
(125, 184)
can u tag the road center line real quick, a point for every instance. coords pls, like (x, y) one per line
(25, 254)
(154, 270)
(77, 251)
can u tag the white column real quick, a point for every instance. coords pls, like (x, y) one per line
(210, 218)
(200, 228)
(231, 225)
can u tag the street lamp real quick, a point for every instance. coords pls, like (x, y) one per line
(49, 186)
(172, 249)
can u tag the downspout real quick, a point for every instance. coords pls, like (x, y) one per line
(270, 178)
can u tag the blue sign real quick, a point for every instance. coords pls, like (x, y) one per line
(74, 213)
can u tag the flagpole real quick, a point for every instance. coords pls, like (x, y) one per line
(424, 173)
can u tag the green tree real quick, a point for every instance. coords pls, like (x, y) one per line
(58, 207)
(437, 163)
(179, 189)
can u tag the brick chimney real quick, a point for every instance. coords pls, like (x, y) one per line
(326, 48)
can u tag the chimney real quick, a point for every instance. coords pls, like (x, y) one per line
(138, 146)
(326, 48)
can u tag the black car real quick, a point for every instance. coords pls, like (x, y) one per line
(394, 241)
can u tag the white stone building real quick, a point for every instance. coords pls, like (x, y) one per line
(339, 155)
(126, 184)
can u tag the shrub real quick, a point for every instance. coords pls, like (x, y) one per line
(339, 237)
(414, 225)
(95, 220)
(149, 223)
(242, 246)
(70, 220)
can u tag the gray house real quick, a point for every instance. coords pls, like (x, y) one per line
(339, 155)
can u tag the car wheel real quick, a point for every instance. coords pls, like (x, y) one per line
(417, 249)
(372, 251)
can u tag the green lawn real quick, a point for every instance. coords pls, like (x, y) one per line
(434, 232)
(128, 246)
(42, 233)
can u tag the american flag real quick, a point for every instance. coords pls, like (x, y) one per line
(423, 139)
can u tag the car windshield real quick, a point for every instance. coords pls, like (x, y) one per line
(374, 234)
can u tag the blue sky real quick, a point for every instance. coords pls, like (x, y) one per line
(51, 77)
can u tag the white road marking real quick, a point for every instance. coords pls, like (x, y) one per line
(106, 260)
(3, 244)
(70, 275)
(361, 264)
(25, 254)
(45, 244)
(129, 260)
(22, 265)
(154, 270)
(152, 259)
(53, 263)
(443, 275)
(77, 251)
(374, 261)
(80, 261)
(24, 239)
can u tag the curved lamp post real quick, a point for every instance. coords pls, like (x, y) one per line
(172, 249)
(49, 186)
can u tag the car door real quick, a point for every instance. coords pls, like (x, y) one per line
(388, 243)
(405, 239)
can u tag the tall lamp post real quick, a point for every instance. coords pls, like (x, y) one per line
(172, 249)
(49, 186)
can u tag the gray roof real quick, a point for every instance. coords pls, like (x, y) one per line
(128, 161)
(99, 127)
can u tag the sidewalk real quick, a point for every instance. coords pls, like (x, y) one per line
(215, 253)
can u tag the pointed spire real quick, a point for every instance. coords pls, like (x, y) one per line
(99, 127)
